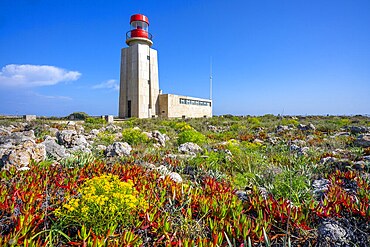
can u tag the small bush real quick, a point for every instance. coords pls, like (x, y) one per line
(134, 136)
(287, 121)
(91, 120)
(238, 127)
(292, 186)
(254, 121)
(182, 126)
(104, 138)
(104, 203)
(191, 136)
(78, 116)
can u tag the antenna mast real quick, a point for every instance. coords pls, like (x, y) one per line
(210, 80)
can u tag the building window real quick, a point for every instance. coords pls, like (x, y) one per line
(194, 102)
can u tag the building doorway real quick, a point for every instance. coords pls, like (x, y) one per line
(129, 108)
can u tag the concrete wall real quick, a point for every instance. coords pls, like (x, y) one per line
(139, 81)
(170, 107)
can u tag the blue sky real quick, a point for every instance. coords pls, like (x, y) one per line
(269, 56)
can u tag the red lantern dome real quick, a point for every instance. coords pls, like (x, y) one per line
(139, 30)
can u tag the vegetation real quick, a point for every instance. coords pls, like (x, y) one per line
(91, 120)
(78, 116)
(191, 136)
(134, 136)
(102, 203)
(251, 186)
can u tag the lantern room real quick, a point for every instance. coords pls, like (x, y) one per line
(139, 31)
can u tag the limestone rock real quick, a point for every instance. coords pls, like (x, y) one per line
(340, 134)
(162, 170)
(112, 128)
(160, 138)
(65, 137)
(94, 132)
(242, 195)
(175, 177)
(363, 141)
(70, 139)
(358, 129)
(190, 148)
(320, 186)
(328, 160)
(282, 128)
(53, 131)
(22, 154)
(212, 128)
(118, 136)
(79, 129)
(4, 132)
(79, 140)
(331, 232)
(101, 148)
(306, 127)
(298, 142)
(258, 141)
(360, 165)
(157, 136)
(118, 149)
(55, 150)
(180, 156)
(299, 150)
(24, 168)
(18, 138)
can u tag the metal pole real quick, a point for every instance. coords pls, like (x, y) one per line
(210, 80)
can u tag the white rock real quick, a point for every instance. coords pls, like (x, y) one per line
(175, 177)
(118, 149)
(190, 148)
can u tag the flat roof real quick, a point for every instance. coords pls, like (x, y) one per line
(188, 97)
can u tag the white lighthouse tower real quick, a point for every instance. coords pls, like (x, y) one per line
(139, 86)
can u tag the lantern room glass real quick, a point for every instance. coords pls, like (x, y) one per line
(139, 25)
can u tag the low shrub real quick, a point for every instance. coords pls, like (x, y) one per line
(134, 136)
(104, 203)
(78, 116)
(290, 185)
(91, 120)
(254, 121)
(104, 138)
(182, 126)
(191, 136)
(289, 121)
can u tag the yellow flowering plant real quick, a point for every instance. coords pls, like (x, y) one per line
(103, 203)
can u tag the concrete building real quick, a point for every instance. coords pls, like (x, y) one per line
(139, 85)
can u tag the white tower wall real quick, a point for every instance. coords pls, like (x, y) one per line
(139, 86)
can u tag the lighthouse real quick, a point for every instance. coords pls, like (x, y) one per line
(139, 94)
(139, 85)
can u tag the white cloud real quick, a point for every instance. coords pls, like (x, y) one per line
(110, 84)
(27, 75)
(57, 97)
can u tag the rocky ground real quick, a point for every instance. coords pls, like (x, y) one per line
(317, 164)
